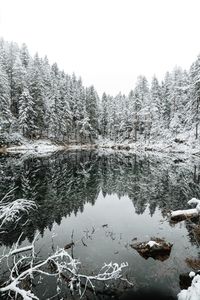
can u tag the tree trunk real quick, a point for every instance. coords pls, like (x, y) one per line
(196, 133)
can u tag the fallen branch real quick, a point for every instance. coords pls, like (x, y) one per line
(61, 263)
(180, 215)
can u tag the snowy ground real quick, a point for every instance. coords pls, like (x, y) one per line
(189, 147)
(43, 146)
(38, 146)
(181, 145)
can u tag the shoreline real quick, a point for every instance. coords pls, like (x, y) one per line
(42, 147)
(46, 146)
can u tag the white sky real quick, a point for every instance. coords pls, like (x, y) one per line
(107, 42)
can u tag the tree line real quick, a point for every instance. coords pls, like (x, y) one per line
(38, 100)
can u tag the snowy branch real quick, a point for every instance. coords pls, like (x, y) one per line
(179, 215)
(13, 211)
(60, 264)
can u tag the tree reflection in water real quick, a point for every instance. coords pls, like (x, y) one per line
(61, 184)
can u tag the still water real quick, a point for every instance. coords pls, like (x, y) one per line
(105, 202)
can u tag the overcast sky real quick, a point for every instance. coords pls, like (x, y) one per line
(107, 42)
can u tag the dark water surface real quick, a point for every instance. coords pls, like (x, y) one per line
(106, 201)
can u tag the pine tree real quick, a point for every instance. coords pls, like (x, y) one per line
(92, 110)
(104, 115)
(36, 88)
(26, 114)
(11, 66)
(176, 101)
(155, 106)
(55, 121)
(25, 56)
(66, 113)
(166, 105)
(5, 114)
(19, 78)
(112, 108)
(141, 108)
(195, 94)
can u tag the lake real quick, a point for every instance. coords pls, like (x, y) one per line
(105, 201)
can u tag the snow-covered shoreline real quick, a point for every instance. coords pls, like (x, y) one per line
(42, 147)
(169, 148)
(46, 146)
(39, 146)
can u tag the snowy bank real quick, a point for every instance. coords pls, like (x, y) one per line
(181, 144)
(45, 146)
(38, 146)
(164, 147)
(154, 147)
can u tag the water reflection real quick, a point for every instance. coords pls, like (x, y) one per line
(64, 182)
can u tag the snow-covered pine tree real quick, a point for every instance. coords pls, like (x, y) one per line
(24, 55)
(12, 53)
(112, 119)
(26, 114)
(19, 76)
(36, 89)
(92, 109)
(104, 115)
(195, 94)
(5, 114)
(65, 113)
(141, 107)
(155, 107)
(166, 104)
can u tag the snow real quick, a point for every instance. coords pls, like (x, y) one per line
(193, 292)
(186, 212)
(165, 144)
(191, 274)
(151, 244)
(192, 211)
(45, 146)
(39, 146)
(20, 250)
(64, 263)
(195, 201)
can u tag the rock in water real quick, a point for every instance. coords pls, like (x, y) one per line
(155, 248)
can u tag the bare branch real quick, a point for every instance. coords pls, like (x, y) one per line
(61, 263)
